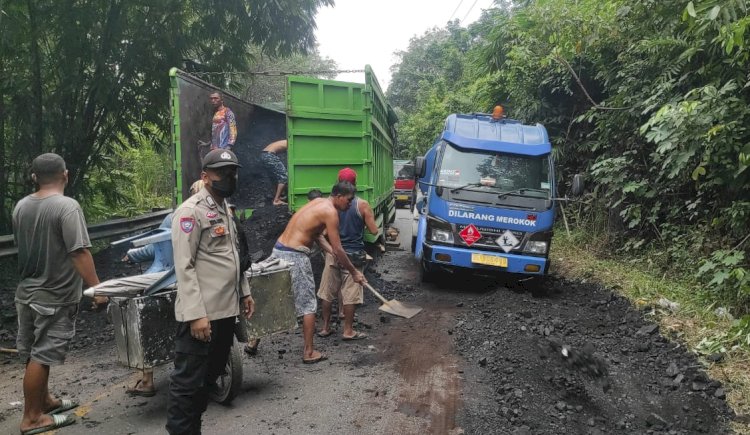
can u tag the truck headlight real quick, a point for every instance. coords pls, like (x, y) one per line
(441, 236)
(439, 230)
(536, 247)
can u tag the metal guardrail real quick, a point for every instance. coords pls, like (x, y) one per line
(113, 228)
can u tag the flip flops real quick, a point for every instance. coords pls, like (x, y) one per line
(325, 334)
(135, 392)
(314, 360)
(357, 336)
(58, 421)
(65, 405)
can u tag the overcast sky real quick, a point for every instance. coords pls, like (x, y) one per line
(359, 32)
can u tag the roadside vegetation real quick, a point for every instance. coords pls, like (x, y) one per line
(89, 81)
(650, 100)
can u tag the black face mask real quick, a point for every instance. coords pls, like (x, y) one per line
(224, 187)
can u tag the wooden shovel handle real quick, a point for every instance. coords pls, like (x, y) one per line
(377, 295)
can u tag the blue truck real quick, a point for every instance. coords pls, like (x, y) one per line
(486, 198)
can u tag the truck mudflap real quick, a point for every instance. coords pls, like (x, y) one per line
(449, 256)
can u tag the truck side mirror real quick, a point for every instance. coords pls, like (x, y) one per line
(419, 167)
(578, 185)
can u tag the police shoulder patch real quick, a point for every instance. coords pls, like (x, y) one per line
(187, 224)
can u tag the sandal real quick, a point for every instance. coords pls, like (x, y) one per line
(135, 392)
(325, 334)
(58, 421)
(65, 405)
(357, 336)
(314, 360)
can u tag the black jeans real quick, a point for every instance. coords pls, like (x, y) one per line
(197, 365)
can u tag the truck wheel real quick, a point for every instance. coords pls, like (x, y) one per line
(426, 272)
(538, 286)
(229, 384)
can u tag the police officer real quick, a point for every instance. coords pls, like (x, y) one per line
(210, 291)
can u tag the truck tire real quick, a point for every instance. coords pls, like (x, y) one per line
(229, 384)
(538, 286)
(426, 272)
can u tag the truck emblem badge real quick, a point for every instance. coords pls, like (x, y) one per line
(507, 241)
(470, 235)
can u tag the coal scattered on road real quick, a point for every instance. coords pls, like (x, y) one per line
(581, 360)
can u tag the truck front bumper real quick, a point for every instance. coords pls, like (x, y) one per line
(448, 256)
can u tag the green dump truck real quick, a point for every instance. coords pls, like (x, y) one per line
(328, 124)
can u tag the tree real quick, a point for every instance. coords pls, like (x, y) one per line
(84, 71)
(432, 79)
(267, 83)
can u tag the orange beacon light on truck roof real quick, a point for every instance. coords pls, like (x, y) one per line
(497, 112)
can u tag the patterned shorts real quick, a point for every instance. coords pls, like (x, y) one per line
(303, 283)
(275, 167)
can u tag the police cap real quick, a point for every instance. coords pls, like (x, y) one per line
(219, 158)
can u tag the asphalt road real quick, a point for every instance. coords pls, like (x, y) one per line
(383, 384)
(483, 357)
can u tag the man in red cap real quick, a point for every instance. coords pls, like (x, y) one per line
(338, 281)
(348, 174)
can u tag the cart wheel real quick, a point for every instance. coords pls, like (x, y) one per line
(228, 385)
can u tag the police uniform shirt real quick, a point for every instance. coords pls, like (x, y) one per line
(207, 262)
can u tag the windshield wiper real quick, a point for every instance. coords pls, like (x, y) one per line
(456, 189)
(520, 192)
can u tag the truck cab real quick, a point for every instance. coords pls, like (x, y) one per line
(485, 199)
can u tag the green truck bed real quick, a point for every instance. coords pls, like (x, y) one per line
(332, 125)
(329, 125)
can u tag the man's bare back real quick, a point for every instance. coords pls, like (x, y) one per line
(318, 215)
(276, 147)
(309, 222)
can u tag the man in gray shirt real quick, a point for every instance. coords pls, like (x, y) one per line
(54, 261)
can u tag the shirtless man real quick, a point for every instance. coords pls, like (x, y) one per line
(275, 167)
(305, 227)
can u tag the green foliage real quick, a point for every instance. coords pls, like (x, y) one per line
(427, 85)
(738, 336)
(137, 179)
(728, 276)
(77, 74)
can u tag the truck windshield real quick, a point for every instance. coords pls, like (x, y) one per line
(403, 170)
(504, 175)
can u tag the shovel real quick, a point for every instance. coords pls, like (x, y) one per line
(395, 307)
